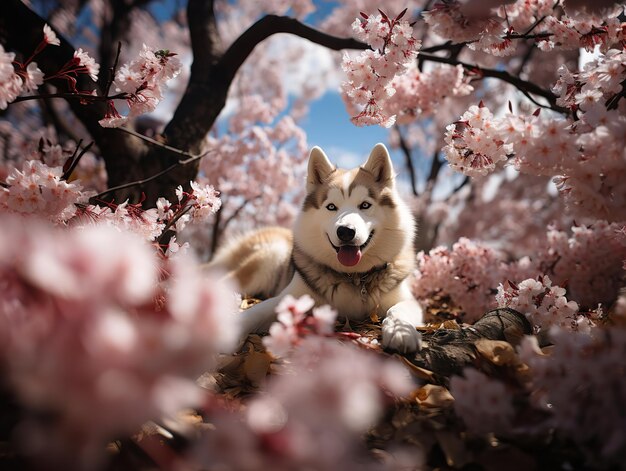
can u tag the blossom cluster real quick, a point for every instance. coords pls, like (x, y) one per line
(495, 30)
(293, 324)
(197, 204)
(473, 144)
(482, 402)
(466, 273)
(37, 189)
(327, 396)
(17, 78)
(142, 81)
(43, 191)
(94, 336)
(258, 168)
(421, 93)
(543, 303)
(584, 158)
(583, 403)
(588, 259)
(371, 74)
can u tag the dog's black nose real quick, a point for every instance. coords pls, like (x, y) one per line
(345, 233)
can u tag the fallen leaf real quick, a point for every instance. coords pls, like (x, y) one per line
(498, 352)
(256, 366)
(434, 396)
(418, 371)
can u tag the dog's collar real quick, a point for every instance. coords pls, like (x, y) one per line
(362, 278)
(364, 275)
(363, 281)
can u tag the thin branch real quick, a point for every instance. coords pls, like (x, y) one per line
(170, 224)
(154, 142)
(408, 160)
(71, 96)
(75, 161)
(435, 167)
(526, 87)
(237, 211)
(112, 70)
(180, 163)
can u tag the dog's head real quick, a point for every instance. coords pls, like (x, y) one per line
(353, 220)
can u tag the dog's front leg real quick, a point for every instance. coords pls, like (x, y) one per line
(260, 317)
(398, 327)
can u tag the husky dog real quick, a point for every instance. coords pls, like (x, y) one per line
(351, 248)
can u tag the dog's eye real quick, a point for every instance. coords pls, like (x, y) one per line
(365, 205)
(331, 207)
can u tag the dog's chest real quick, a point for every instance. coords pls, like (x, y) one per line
(356, 297)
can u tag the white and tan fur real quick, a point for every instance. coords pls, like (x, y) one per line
(274, 262)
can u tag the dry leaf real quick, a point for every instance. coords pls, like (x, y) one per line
(256, 366)
(418, 371)
(451, 325)
(434, 396)
(498, 352)
(248, 303)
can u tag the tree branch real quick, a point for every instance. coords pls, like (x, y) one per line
(269, 25)
(528, 88)
(206, 43)
(180, 163)
(409, 161)
(21, 30)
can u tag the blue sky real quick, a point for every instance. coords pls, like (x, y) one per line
(328, 126)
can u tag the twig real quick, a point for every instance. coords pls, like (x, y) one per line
(237, 211)
(180, 163)
(75, 161)
(527, 88)
(409, 161)
(70, 95)
(154, 142)
(112, 69)
(170, 223)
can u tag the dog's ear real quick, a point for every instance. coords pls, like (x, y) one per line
(379, 164)
(319, 168)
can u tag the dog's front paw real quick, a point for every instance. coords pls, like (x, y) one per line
(400, 336)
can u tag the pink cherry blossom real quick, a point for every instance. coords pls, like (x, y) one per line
(37, 189)
(10, 82)
(92, 298)
(572, 397)
(294, 323)
(370, 75)
(50, 36)
(482, 402)
(328, 395)
(143, 80)
(88, 62)
(542, 303)
(32, 78)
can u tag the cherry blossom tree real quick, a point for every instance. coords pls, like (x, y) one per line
(510, 119)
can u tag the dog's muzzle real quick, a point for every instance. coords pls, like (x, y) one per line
(349, 254)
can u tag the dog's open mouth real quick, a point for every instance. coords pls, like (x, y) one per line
(350, 255)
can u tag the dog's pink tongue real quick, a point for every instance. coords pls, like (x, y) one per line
(349, 255)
